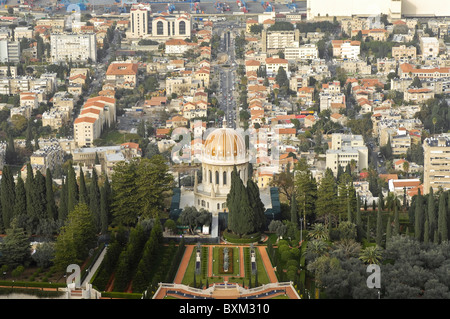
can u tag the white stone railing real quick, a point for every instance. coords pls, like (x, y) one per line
(242, 290)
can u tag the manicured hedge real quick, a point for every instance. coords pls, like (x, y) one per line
(34, 292)
(121, 295)
(32, 284)
(246, 239)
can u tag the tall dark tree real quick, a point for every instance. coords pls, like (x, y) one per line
(29, 181)
(94, 199)
(104, 210)
(20, 205)
(10, 152)
(52, 210)
(72, 189)
(258, 217)
(39, 201)
(305, 190)
(432, 214)
(83, 192)
(125, 205)
(396, 230)
(379, 229)
(419, 214)
(239, 209)
(62, 209)
(326, 196)
(108, 197)
(29, 137)
(7, 196)
(442, 219)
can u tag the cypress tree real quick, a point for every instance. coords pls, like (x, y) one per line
(10, 152)
(442, 219)
(358, 210)
(432, 218)
(349, 212)
(94, 199)
(108, 196)
(83, 194)
(368, 229)
(388, 229)
(72, 190)
(104, 213)
(379, 236)
(418, 217)
(7, 196)
(396, 221)
(426, 232)
(20, 205)
(29, 188)
(39, 197)
(62, 210)
(436, 237)
(258, 217)
(28, 137)
(240, 211)
(50, 196)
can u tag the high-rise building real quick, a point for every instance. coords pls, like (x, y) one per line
(436, 163)
(140, 20)
(9, 51)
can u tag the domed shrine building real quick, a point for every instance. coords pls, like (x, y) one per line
(223, 149)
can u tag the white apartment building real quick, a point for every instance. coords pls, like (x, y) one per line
(346, 149)
(346, 49)
(9, 51)
(301, 52)
(73, 47)
(327, 99)
(403, 53)
(86, 130)
(274, 63)
(54, 118)
(429, 47)
(436, 163)
(278, 40)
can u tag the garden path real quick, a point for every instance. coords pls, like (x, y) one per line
(267, 264)
(184, 263)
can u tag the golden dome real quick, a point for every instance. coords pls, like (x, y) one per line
(224, 146)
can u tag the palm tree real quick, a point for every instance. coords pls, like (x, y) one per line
(315, 248)
(434, 125)
(318, 232)
(406, 168)
(371, 255)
